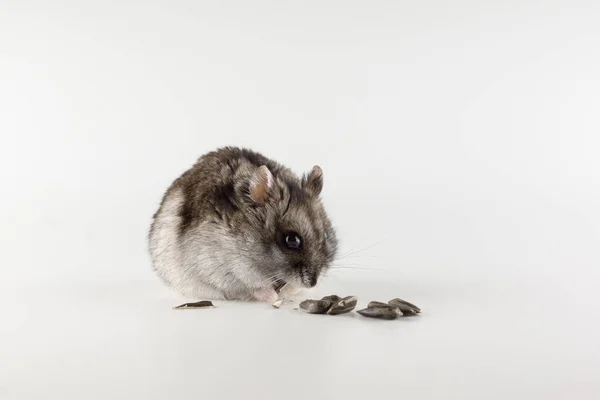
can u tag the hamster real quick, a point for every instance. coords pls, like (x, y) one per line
(238, 225)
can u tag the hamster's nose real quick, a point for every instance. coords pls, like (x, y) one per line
(308, 275)
(309, 279)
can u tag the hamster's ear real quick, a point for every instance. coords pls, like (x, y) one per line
(313, 181)
(262, 186)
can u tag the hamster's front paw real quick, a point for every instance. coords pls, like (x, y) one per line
(266, 295)
(289, 290)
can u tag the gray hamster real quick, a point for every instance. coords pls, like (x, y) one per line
(237, 225)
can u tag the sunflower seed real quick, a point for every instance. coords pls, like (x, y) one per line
(343, 306)
(404, 306)
(334, 298)
(379, 304)
(278, 285)
(406, 310)
(315, 306)
(397, 300)
(198, 304)
(388, 313)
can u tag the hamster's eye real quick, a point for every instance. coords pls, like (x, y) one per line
(292, 240)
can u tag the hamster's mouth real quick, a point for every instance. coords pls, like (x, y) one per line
(279, 283)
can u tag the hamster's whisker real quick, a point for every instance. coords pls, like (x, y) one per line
(326, 275)
(272, 279)
(356, 256)
(348, 251)
(362, 269)
(337, 264)
(353, 252)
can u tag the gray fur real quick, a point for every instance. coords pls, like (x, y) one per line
(217, 233)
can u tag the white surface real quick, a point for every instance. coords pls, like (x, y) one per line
(471, 342)
(459, 139)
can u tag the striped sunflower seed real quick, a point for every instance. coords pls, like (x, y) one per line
(343, 306)
(315, 306)
(198, 304)
(387, 313)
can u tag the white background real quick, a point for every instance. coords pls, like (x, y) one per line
(460, 143)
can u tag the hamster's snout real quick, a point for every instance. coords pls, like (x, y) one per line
(309, 277)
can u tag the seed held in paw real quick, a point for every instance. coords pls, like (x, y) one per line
(343, 306)
(278, 303)
(387, 313)
(315, 306)
(198, 304)
(279, 285)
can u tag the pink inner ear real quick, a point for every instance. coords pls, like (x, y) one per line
(261, 186)
(316, 172)
(258, 194)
